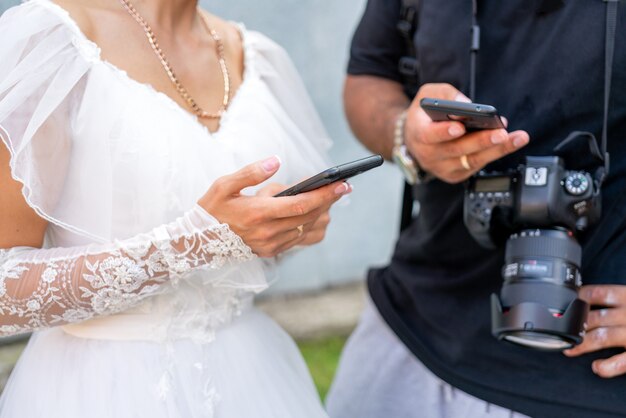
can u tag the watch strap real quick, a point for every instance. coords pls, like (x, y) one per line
(411, 169)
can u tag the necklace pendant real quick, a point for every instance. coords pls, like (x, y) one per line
(206, 115)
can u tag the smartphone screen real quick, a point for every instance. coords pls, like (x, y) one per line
(474, 116)
(333, 174)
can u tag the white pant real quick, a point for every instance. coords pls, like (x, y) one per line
(378, 377)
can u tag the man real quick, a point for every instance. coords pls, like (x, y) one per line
(424, 346)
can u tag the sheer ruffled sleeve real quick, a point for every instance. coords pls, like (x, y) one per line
(281, 76)
(46, 89)
(40, 288)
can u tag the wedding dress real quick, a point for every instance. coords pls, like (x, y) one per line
(140, 301)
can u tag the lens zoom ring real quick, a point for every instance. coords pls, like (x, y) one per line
(563, 247)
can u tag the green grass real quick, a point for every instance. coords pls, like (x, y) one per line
(322, 357)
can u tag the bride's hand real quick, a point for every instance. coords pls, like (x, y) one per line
(315, 230)
(270, 225)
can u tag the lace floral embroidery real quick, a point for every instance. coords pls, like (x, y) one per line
(54, 290)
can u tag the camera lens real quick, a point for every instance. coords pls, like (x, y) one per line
(538, 305)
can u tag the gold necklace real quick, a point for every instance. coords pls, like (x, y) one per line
(170, 72)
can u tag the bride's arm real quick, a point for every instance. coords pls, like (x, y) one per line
(19, 224)
(47, 287)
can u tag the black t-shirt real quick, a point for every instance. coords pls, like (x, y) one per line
(545, 73)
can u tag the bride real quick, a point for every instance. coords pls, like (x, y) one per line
(130, 234)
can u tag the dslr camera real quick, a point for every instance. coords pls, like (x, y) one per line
(537, 209)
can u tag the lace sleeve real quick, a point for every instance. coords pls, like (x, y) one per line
(40, 288)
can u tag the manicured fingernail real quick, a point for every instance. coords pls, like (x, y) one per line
(498, 137)
(520, 141)
(343, 188)
(455, 130)
(460, 97)
(271, 164)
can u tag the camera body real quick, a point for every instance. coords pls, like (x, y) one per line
(541, 193)
(536, 209)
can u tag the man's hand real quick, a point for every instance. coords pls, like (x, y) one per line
(441, 147)
(606, 327)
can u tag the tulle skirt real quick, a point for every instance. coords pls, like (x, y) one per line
(251, 369)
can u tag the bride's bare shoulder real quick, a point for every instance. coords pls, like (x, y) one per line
(95, 18)
(229, 31)
(80, 14)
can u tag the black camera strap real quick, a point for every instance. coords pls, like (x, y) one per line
(602, 235)
(408, 65)
(609, 50)
(600, 155)
(474, 48)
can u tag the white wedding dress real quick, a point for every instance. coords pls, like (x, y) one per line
(141, 302)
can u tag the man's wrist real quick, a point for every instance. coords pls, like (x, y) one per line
(409, 166)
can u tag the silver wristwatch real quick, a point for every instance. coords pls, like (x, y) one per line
(413, 173)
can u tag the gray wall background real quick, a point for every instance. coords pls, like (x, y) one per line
(316, 33)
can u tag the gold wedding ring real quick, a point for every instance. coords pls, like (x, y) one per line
(465, 163)
(300, 229)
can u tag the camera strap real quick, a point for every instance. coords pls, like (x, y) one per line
(408, 65)
(600, 155)
(603, 233)
(609, 50)
(474, 48)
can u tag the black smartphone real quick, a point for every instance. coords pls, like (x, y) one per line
(331, 175)
(474, 116)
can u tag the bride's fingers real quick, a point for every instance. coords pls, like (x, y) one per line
(306, 234)
(287, 225)
(299, 234)
(292, 238)
(271, 189)
(265, 238)
(317, 231)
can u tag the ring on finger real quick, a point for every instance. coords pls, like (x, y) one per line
(465, 163)
(300, 229)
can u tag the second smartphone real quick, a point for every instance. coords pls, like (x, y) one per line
(474, 116)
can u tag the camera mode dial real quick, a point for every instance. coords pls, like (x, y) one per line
(576, 184)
